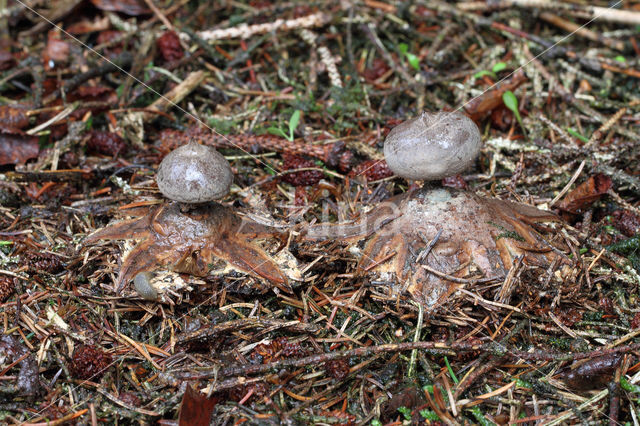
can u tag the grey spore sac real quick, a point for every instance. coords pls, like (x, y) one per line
(194, 173)
(432, 146)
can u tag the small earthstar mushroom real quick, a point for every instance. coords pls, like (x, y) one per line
(432, 146)
(194, 234)
(193, 174)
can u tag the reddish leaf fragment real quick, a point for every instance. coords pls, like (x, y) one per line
(337, 368)
(107, 38)
(196, 409)
(606, 305)
(301, 178)
(250, 392)
(89, 363)
(49, 85)
(300, 197)
(57, 51)
(586, 193)
(276, 350)
(593, 374)
(13, 117)
(92, 94)
(378, 68)
(626, 222)
(410, 397)
(372, 170)
(54, 412)
(298, 12)
(101, 96)
(635, 322)
(169, 46)
(424, 12)
(455, 181)
(17, 147)
(501, 118)
(128, 7)
(129, 398)
(107, 143)
(568, 317)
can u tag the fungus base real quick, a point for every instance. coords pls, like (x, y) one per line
(193, 242)
(430, 241)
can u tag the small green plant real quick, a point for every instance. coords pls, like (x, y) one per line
(629, 387)
(451, 373)
(523, 384)
(500, 66)
(620, 58)
(406, 412)
(413, 60)
(480, 418)
(147, 71)
(511, 102)
(575, 134)
(293, 124)
(429, 415)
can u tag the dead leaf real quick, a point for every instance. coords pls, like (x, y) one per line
(108, 38)
(57, 51)
(13, 116)
(377, 69)
(169, 46)
(16, 147)
(586, 193)
(196, 409)
(107, 143)
(593, 373)
(410, 397)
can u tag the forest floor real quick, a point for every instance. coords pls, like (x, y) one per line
(299, 96)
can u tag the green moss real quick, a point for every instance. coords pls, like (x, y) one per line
(629, 249)
(562, 344)
(627, 246)
(592, 316)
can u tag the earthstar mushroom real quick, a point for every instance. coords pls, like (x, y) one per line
(192, 233)
(430, 240)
